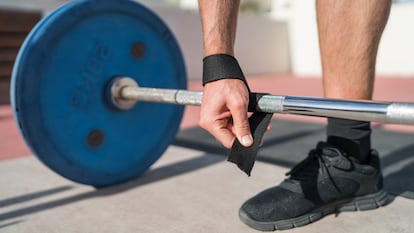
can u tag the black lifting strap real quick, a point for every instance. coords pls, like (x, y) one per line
(244, 157)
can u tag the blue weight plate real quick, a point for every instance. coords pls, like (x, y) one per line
(59, 82)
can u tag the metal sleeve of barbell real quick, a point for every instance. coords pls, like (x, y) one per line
(375, 111)
(160, 95)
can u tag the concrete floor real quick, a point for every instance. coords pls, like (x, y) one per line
(185, 191)
(192, 188)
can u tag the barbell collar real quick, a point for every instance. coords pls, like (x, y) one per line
(115, 89)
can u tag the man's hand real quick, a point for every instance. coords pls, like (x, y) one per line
(224, 111)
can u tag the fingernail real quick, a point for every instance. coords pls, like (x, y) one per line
(247, 140)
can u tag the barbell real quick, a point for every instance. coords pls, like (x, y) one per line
(98, 89)
(125, 92)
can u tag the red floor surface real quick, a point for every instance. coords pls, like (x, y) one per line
(395, 89)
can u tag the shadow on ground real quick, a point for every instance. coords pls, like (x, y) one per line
(289, 142)
(285, 146)
(153, 175)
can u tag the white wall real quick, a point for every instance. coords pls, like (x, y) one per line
(261, 43)
(304, 48)
(395, 55)
(41, 5)
(287, 43)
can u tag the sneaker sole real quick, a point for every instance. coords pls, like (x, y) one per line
(367, 202)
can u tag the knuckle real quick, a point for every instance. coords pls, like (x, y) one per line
(242, 130)
(204, 123)
(239, 104)
(227, 145)
(243, 126)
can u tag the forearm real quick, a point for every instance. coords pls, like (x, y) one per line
(219, 22)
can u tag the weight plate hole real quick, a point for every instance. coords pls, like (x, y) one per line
(95, 138)
(137, 49)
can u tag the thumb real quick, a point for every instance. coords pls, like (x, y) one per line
(242, 129)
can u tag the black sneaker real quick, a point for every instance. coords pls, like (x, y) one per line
(327, 181)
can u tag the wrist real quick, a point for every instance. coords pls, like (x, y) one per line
(221, 66)
(218, 49)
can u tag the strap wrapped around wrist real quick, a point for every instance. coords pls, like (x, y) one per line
(221, 66)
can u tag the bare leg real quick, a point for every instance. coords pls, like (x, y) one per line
(349, 34)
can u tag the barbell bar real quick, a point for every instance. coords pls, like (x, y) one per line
(83, 118)
(126, 90)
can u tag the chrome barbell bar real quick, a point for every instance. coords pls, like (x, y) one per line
(125, 92)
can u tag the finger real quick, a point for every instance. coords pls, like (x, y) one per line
(241, 125)
(220, 129)
(269, 128)
(225, 137)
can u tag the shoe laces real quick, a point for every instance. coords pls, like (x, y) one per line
(319, 161)
(309, 167)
